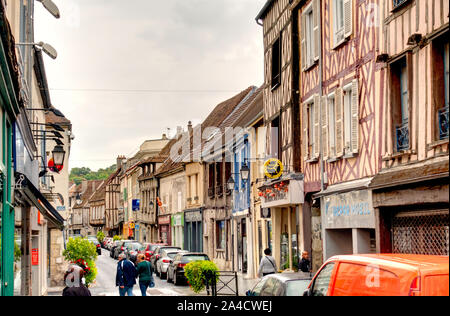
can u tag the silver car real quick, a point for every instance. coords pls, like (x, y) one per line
(165, 260)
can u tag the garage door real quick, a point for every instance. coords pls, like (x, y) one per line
(422, 232)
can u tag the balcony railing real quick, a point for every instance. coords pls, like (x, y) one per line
(219, 190)
(443, 123)
(402, 136)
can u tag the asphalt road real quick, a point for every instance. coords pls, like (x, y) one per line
(105, 284)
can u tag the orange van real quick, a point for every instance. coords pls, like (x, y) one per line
(382, 275)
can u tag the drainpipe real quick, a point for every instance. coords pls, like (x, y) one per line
(322, 167)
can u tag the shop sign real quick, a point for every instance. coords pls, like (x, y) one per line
(177, 220)
(349, 210)
(136, 205)
(35, 257)
(283, 193)
(164, 220)
(193, 216)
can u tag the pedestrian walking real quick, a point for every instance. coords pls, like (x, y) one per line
(267, 265)
(74, 281)
(126, 276)
(145, 273)
(305, 263)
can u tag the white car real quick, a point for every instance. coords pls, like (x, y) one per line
(163, 263)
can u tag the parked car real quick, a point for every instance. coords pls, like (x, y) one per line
(121, 247)
(105, 242)
(148, 249)
(109, 242)
(132, 250)
(157, 254)
(92, 238)
(167, 255)
(382, 275)
(282, 284)
(175, 271)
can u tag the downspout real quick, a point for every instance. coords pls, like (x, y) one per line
(322, 167)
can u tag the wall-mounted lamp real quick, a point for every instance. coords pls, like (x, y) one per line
(53, 110)
(47, 48)
(414, 39)
(51, 7)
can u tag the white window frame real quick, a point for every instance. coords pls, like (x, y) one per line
(339, 31)
(347, 104)
(309, 36)
(331, 125)
(311, 135)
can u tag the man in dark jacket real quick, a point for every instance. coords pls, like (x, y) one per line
(305, 263)
(126, 276)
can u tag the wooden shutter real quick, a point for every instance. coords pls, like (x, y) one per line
(339, 115)
(316, 22)
(325, 142)
(302, 26)
(348, 18)
(316, 118)
(305, 132)
(355, 116)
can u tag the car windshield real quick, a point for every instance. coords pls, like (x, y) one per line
(171, 255)
(152, 247)
(296, 287)
(190, 258)
(168, 249)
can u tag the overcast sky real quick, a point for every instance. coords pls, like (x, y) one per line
(128, 70)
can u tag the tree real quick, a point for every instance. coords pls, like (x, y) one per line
(82, 252)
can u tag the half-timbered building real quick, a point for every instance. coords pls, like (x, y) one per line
(411, 193)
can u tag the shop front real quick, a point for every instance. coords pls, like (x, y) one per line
(193, 230)
(177, 225)
(164, 229)
(348, 223)
(413, 213)
(283, 199)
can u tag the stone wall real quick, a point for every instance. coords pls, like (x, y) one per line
(57, 263)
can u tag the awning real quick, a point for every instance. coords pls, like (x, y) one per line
(360, 184)
(35, 198)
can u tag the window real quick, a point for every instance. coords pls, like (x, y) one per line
(211, 178)
(398, 3)
(347, 119)
(309, 33)
(276, 63)
(322, 281)
(400, 72)
(258, 287)
(311, 128)
(338, 21)
(220, 234)
(275, 145)
(440, 57)
(268, 287)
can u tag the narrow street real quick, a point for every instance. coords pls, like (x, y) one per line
(106, 281)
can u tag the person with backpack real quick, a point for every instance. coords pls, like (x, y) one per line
(145, 273)
(267, 265)
(126, 276)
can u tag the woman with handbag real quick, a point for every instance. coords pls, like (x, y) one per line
(145, 273)
(267, 265)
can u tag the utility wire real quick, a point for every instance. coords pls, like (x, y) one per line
(143, 90)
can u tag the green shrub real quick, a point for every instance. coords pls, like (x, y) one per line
(82, 249)
(100, 236)
(196, 272)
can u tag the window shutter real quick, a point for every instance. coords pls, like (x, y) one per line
(316, 118)
(316, 21)
(305, 132)
(339, 114)
(324, 111)
(355, 116)
(348, 18)
(303, 40)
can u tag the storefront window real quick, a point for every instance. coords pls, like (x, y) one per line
(284, 251)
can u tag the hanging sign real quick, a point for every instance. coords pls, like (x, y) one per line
(273, 168)
(35, 257)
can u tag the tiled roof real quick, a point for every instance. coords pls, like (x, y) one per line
(51, 118)
(214, 119)
(90, 188)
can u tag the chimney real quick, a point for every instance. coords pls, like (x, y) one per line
(190, 127)
(120, 160)
(84, 186)
(164, 136)
(179, 131)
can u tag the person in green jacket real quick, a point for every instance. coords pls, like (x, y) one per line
(145, 273)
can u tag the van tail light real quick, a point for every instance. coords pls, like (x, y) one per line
(414, 289)
(181, 265)
(166, 261)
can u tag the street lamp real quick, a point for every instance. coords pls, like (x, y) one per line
(152, 205)
(230, 184)
(245, 172)
(78, 199)
(51, 7)
(58, 154)
(47, 48)
(52, 125)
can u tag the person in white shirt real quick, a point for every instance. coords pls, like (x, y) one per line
(267, 265)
